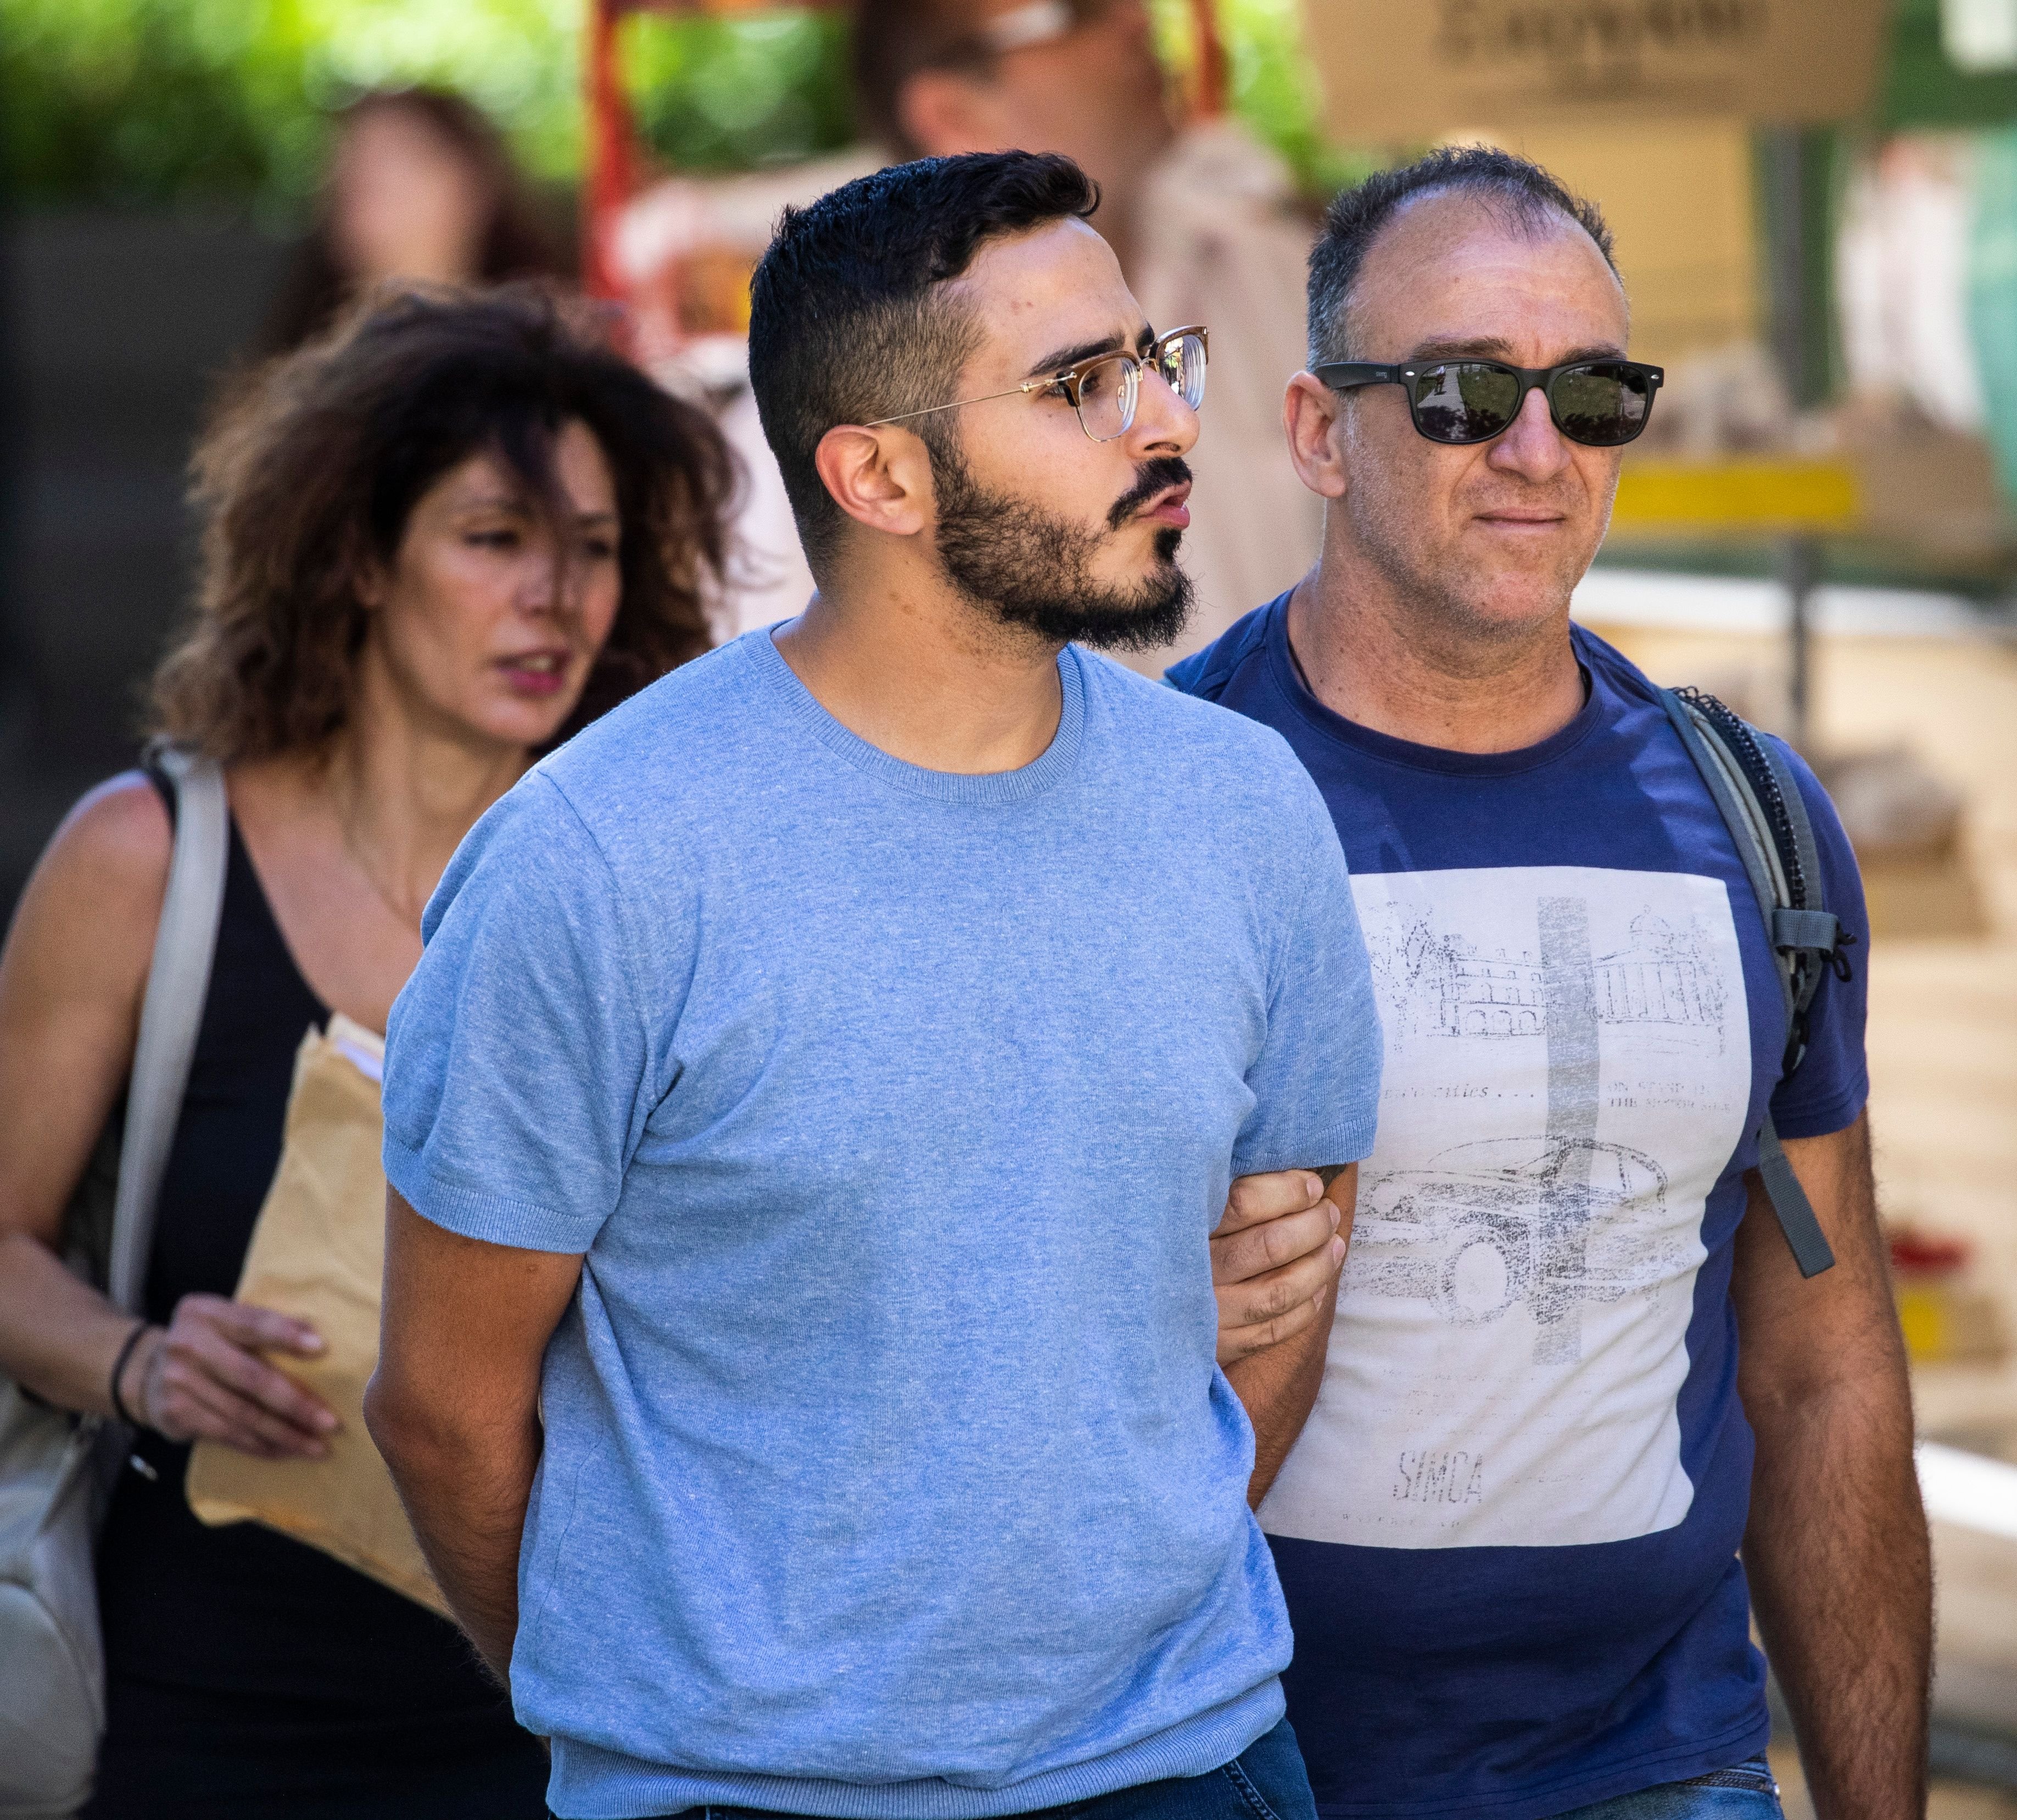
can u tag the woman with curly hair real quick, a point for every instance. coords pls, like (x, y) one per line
(438, 542)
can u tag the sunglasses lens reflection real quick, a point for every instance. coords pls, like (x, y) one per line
(1465, 401)
(1602, 405)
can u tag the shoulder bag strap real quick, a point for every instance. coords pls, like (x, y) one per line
(178, 981)
(1751, 829)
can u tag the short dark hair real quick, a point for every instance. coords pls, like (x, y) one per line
(310, 470)
(1521, 191)
(847, 322)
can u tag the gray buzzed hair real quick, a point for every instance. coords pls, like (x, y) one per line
(1527, 195)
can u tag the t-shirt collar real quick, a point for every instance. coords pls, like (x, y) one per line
(1055, 761)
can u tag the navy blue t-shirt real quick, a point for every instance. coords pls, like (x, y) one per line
(1509, 1532)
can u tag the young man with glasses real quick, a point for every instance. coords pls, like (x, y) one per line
(1205, 220)
(1510, 1533)
(807, 1119)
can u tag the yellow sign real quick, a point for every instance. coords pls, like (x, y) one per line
(1737, 495)
(1395, 72)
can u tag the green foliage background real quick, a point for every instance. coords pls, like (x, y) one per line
(222, 106)
(215, 105)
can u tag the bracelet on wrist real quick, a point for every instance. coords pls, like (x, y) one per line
(140, 1329)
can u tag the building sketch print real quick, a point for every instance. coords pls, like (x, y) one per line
(1498, 1223)
(1664, 977)
(1431, 983)
(1437, 984)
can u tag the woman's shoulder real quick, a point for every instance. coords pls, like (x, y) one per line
(106, 868)
(76, 955)
(118, 832)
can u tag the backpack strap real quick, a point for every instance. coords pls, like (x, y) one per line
(1759, 797)
(178, 982)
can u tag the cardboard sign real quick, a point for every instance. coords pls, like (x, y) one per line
(1400, 73)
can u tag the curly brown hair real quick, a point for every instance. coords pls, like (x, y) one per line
(309, 473)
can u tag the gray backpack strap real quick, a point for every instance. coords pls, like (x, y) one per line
(1797, 1219)
(177, 984)
(1775, 841)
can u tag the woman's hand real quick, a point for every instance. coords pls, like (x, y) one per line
(202, 1378)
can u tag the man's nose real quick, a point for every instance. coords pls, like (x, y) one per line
(1163, 424)
(1533, 448)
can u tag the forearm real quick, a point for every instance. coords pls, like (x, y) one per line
(1838, 1558)
(465, 1493)
(1278, 1389)
(58, 1335)
(1836, 1550)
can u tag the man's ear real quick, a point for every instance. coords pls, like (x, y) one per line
(944, 112)
(1311, 420)
(880, 477)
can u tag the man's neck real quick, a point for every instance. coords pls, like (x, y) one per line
(927, 679)
(1412, 675)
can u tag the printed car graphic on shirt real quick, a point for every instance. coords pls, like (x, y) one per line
(1493, 1223)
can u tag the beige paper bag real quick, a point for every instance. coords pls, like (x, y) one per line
(318, 1253)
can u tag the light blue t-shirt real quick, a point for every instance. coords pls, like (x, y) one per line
(887, 1471)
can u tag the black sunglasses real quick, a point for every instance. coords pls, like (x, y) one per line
(1601, 403)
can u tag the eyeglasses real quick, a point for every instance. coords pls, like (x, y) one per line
(1105, 390)
(1599, 403)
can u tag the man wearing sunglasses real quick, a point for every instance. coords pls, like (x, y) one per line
(1522, 1535)
(808, 1120)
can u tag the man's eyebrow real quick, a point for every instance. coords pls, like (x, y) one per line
(1492, 347)
(1060, 357)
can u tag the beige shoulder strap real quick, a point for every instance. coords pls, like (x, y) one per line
(178, 982)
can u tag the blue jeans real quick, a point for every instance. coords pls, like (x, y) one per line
(1265, 1781)
(1746, 1791)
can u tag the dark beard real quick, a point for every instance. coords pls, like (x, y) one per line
(1031, 569)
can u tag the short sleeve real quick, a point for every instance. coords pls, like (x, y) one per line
(1828, 1089)
(1316, 1082)
(516, 1056)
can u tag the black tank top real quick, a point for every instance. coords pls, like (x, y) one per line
(238, 1642)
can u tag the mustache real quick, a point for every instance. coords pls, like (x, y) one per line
(1151, 477)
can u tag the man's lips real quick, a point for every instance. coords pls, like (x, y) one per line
(1170, 507)
(1519, 518)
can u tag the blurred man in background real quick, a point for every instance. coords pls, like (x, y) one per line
(1202, 217)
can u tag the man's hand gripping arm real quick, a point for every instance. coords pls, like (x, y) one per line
(1274, 1261)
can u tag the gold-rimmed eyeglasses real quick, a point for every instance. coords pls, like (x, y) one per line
(1105, 390)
